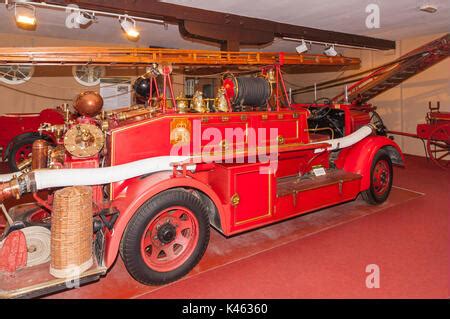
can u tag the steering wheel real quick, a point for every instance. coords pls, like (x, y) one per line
(319, 113)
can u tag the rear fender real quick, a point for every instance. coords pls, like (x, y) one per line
(142, 189)
(358, 158)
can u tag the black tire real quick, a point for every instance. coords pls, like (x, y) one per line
(371, 196)
(130, 247)
(20, 142)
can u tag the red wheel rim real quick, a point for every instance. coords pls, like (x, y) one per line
(23, 153)
(438, 146)
(381, 177)
(169, 239)
(40, 216)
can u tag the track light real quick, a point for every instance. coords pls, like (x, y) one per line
(84, 17)
(25, 15)
(129, 27)
(330, 51)
(429, 8)
(302, 47)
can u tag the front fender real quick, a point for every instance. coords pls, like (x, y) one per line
(358, 158)
(138, 192)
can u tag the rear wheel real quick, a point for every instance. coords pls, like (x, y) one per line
(438, 146)
(166, 238)
(380, 179)
(21, 150)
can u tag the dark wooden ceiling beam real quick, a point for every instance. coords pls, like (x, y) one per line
(229, 30)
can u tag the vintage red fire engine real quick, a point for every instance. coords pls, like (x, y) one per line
(161, 174)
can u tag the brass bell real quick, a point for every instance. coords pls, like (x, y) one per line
(198, 103)
(182, 104)
(221, 103)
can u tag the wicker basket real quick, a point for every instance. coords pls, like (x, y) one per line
(72, 229)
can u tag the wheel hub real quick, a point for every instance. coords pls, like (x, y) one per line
(383, 178)
(166, 233)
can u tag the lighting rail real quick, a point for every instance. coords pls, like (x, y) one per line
(101, 13)
(328, 44)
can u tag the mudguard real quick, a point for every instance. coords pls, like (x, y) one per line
(138, 192)
(358, 158)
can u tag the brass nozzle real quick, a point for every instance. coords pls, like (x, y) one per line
(9, 189)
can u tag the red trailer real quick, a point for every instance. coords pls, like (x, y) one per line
(161, 174)
(436, 132)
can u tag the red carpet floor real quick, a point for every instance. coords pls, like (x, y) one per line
(409, 242)
(324, 254)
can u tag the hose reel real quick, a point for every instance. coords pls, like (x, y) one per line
(247, 91)
(27, 247)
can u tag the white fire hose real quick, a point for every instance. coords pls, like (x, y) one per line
(8, 177)
(97, 176)
(104, 175)
(346, 141)
(49, 178)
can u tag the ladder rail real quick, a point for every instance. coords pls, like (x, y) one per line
(145, 56)
(385, 77)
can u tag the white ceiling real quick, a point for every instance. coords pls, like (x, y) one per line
(399, 19)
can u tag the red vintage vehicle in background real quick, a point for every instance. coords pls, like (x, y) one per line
(162, 173)
(436, 132)
(18, 131)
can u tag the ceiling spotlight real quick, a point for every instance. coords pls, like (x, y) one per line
(330, 51)
(302, 47)
(129, 27)
(84, 17)
(428, 8)
(25, 15)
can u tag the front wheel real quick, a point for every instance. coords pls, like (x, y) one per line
(381, 174)
(166, 238)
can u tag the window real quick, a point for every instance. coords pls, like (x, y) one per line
(88, 75)
(16, 74)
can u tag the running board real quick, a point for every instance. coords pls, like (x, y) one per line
(295, 184)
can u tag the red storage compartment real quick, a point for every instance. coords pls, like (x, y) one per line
(246, 193)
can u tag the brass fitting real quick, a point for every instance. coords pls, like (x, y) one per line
(133, 113)
(9, 189)
(39, 154)
(24, 165)
(198, 102)
(221, 103)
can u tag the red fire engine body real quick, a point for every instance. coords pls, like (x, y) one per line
(158, 220)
